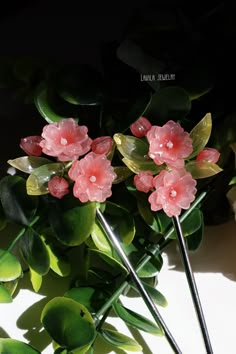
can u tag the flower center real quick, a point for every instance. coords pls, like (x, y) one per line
(92, 179)
(169, 144)
(173, 193)
(64, 141)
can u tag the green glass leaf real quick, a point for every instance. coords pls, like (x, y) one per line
(120, 341)
(60, 265)
(5, 296)
(34, 252)
(10, 346)
(135, 153)
(191, 224)
(136, 320)
(18, 206)
(36, 280)
(168, 103)
(73, 226)
(122, 173)
(10, 267)
(121, 221)
(156, 295)
(68, 323)
(202, 169)
(79, 85)
(100, 240)
(28, 164)
(42, 104)
(200, 134)
(37, 182)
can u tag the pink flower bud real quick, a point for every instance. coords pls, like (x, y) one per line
(140, 127)
(58, 187)
(102, 145)
(208, 155)
(31, 146)
(144, 181)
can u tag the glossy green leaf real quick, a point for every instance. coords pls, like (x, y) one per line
(5, 296)
(194, 240)
(28, 164)
(60, 265)
(156, 295)
(68, 323)
(73, 226)
(191, 224)
(202, 169)
(149, 270)
(42, 104)
(120, 341)
(233, 181)
(18, 206)
(12, 346)
(10, 267)
(36, 280)
(100, 240)
(148, 216)
(11, 285)
(34, 252)
(122, 173)
(113, 262)
(200, 134)
(79, 85)
(121, 221)
(37, 182)
(136, 320)
(168, 103)
(135, 153)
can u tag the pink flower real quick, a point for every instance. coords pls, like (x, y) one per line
(93, 176)
(66, 140)
(144, 181)
(31, 146)
(169, 144)
(58, 187)
(102, 145)
(140, 127)
(175, 190)
(209, 155)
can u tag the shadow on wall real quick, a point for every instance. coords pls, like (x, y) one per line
(215, 255)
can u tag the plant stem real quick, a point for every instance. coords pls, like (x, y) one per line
(192, 284)
(21, 233)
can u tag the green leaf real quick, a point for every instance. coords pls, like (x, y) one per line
(156, 296)
(136, 320)
(11, 285)
(68, 323)
(122, 173)
(191, 224)
(10, 346)
(3, 220)
(36, 280)
(200, 134)
(121, 221)
(79, 85)
(37, 182)
(113, 262)
(28, 164)
(120, 341)
(233, 181)
(73, 226)
(10, 267)
(168, 103)
(194, 240)
(202, 169)
(18, 206)
(5, 296)
(148, 216)
(100, 240)
(34, 252)
(135, 153)
(149, 270)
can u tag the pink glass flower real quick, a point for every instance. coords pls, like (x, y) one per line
(31, 146)
(66, 140)
(208, 155)
(93, 176)
(102, 145)
(140, 127)
(58, 187)
(175, 190)
(169, 144)
(144, 181)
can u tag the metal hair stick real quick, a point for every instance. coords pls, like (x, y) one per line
(192, 284)
(146, 297)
